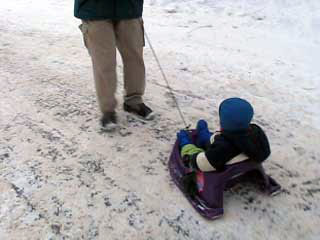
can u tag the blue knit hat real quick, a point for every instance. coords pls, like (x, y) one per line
(235, 114)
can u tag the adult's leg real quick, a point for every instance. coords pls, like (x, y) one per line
(130, 42)
(99, 37)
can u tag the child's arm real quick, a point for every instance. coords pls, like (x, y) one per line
(197, 158)
(196, 155)
(188, 150)
(214, 158)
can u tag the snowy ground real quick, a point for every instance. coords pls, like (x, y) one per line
(62, 178)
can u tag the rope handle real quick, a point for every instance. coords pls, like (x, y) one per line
(167, 82)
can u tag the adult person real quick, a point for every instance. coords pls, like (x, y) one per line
(107, 25)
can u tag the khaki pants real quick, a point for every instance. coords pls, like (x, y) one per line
(101, 39)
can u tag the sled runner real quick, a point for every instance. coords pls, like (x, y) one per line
(207, 196)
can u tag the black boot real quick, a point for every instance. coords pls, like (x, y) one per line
(140, 110)
(109, 121)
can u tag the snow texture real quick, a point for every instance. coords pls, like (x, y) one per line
(61, 177)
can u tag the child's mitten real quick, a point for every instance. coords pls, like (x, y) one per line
(183, 138)
(203, 133)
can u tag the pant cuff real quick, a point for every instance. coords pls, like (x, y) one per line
(133, 100)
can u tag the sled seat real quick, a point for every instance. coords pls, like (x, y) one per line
(210, 185)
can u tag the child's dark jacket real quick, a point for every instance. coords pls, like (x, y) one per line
(227, 145)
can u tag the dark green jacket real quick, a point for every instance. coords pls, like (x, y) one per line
(108, 9)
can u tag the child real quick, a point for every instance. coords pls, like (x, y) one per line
(237, 137)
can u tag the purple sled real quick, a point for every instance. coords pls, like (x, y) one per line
(209, 199)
